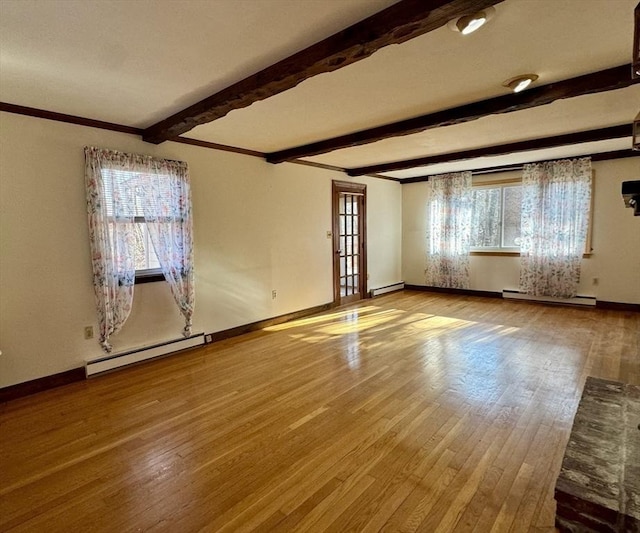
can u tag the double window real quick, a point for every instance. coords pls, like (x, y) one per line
(496, 213)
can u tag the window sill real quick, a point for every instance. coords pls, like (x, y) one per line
(148, 278)
(495, 252)
(510, 254)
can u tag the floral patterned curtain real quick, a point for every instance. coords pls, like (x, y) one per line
(556, 200)
(449, 231)
(121, 188)
(167, 213)
(486, 222)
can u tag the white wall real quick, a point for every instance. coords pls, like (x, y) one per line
(384, 231)
(257, 227)
(616, 240)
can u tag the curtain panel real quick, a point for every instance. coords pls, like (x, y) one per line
(556, 203)
(122, 190)
(449, 234)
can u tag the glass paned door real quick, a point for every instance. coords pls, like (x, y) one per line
(349, 239)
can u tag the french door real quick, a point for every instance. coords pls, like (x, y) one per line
(349, 241)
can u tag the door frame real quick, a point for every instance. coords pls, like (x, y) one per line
(359, 189)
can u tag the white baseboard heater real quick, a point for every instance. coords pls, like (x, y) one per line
(388, 288)
(117, 360)
(578, 300)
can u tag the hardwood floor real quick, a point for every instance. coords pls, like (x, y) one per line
(409, 412)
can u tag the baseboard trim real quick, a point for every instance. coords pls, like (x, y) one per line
(387, 289)
(261, 324)
(27, 388)
(117, 361)
(600, 304)
(460, 292)
(617, 306)
(578, 300)
(19, 390)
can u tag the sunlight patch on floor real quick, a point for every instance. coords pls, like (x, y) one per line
(347, 313)
(434, 325)
(490, 333)
(370, 320)
(361, 323)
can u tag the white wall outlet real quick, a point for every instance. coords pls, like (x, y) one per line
(88, 332)
(274, 294)
(329, 234)
(208, 338)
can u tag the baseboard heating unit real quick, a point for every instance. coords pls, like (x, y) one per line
(388, 288)
(578, 300)
(113, 361)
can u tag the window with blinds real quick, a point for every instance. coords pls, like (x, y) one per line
(123, 193)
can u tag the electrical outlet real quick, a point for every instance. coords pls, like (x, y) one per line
(88, 332)
(329, 234)
(273, 295)
(208, 339)
(596, 281)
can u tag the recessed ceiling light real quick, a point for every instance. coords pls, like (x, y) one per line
(520, 83)
(469, 23)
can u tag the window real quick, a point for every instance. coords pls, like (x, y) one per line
(124, 192)
(139, 214)
(495, 217)
(146, 259)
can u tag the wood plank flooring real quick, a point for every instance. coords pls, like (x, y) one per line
(409, 412)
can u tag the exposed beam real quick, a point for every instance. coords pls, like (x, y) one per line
(216, 146)
(604, 80)
(69, 119)
(636, 42)
(600, 156)
(396, 24)
(613, 132)
(339, 169)
(92, 123)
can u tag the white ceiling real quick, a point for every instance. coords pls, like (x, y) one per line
(562, 116)
(137, 62)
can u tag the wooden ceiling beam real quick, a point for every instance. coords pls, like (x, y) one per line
(396, 24)
(636, 42)
(614, 132)
(604, 80)
(599, 156)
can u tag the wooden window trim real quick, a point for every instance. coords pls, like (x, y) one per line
(148, 277)
(501, 184)
(511, 181)
(495, 182)
(496, 253)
